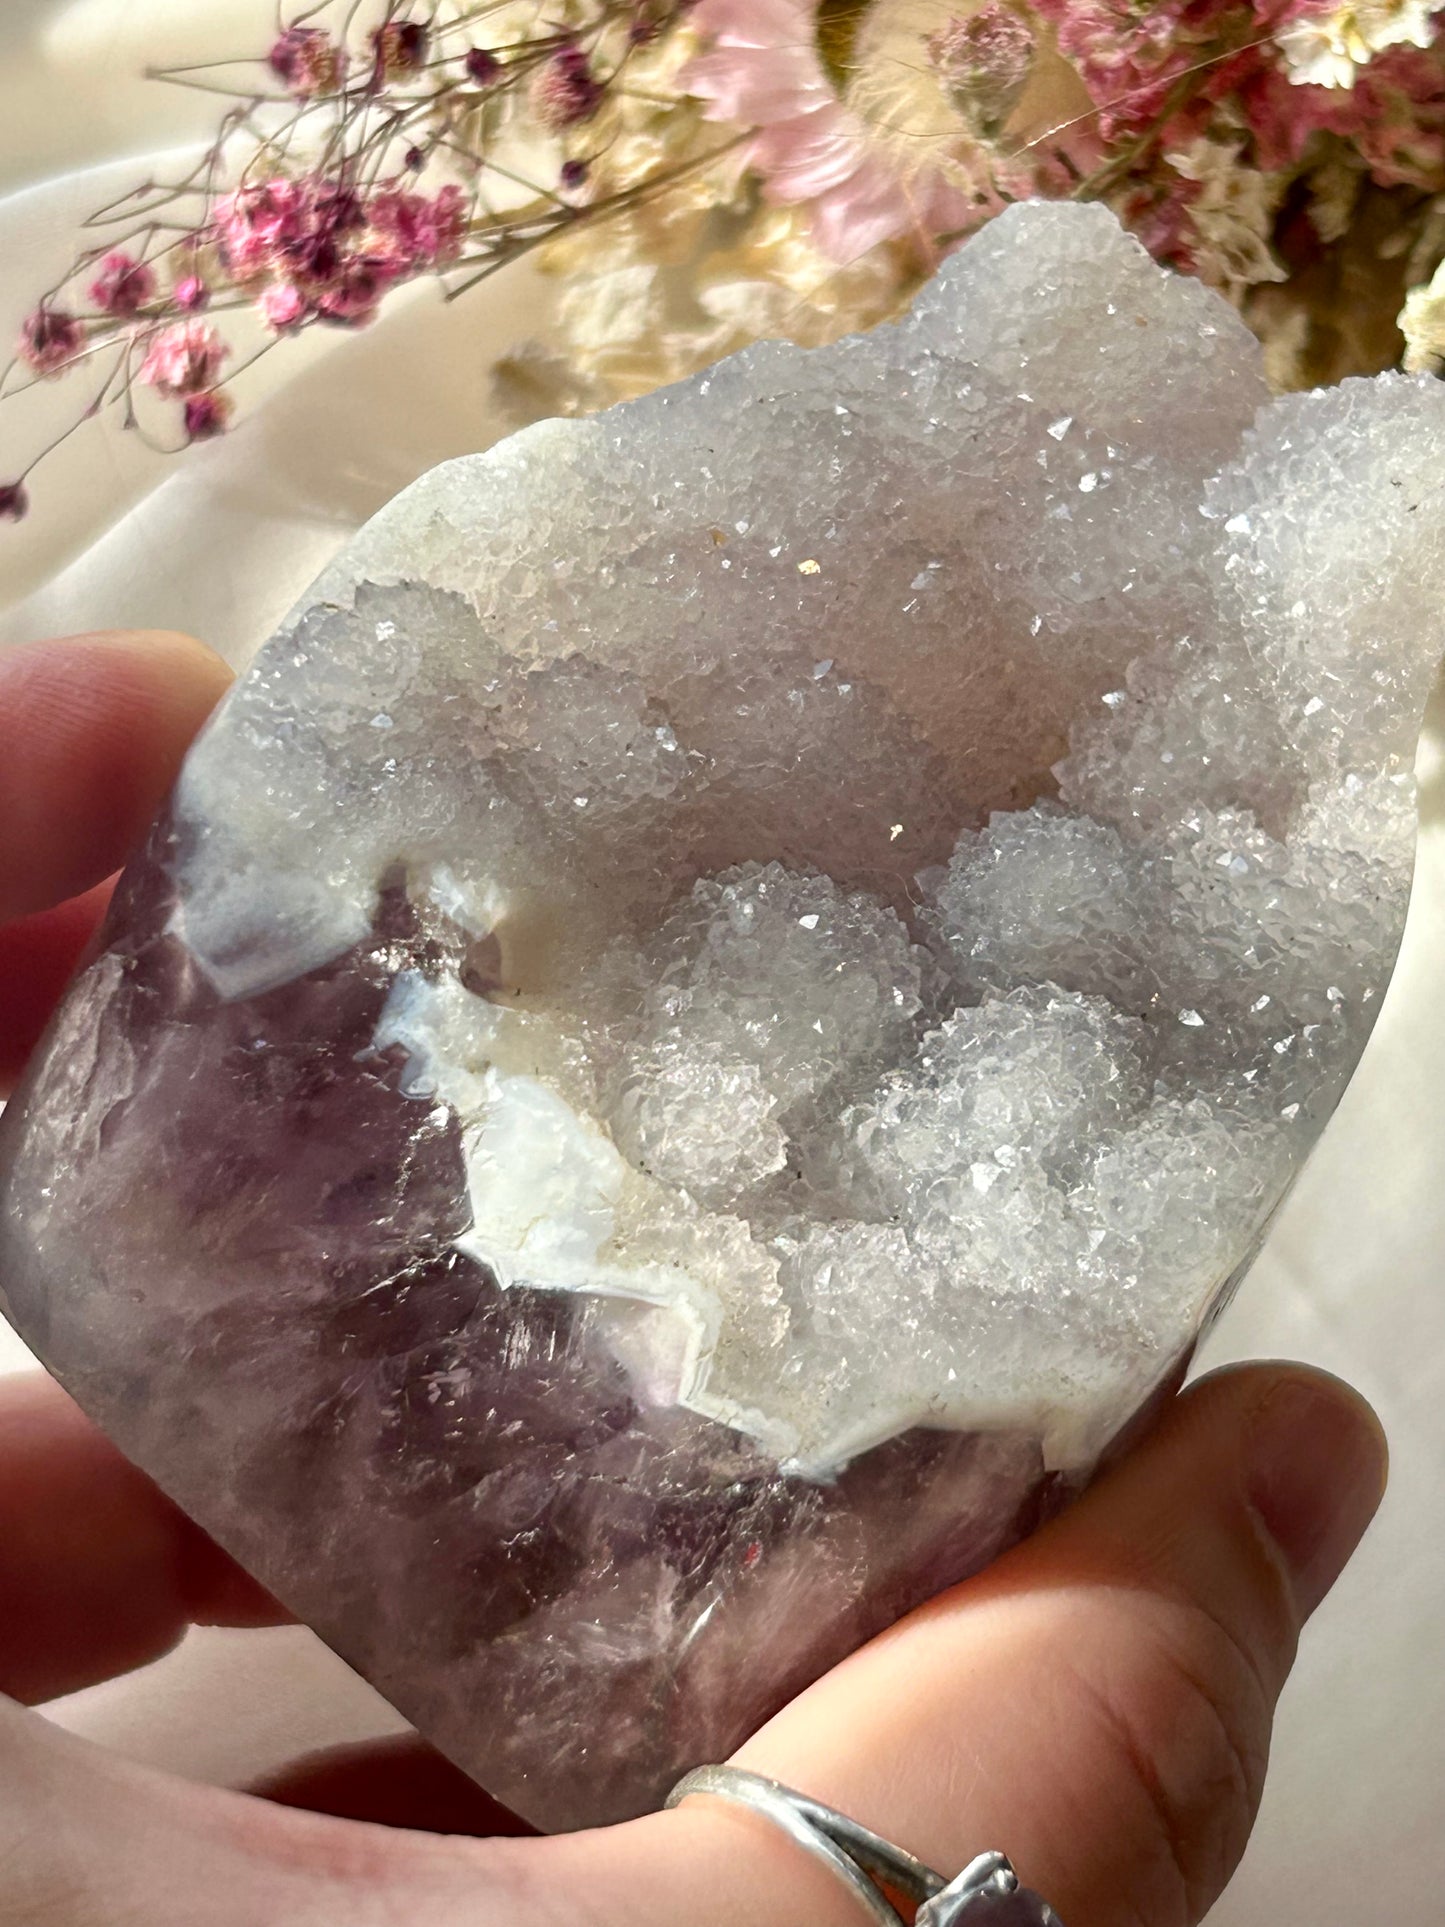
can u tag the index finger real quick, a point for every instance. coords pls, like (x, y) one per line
(99, 1572)
(92, 733)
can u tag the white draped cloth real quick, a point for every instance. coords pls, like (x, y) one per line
(219, 543)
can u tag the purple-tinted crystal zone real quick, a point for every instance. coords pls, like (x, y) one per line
(231, 1235)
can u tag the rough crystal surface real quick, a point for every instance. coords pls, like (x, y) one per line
(714, 1014)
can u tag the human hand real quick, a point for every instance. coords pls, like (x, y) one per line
(1098, 1704)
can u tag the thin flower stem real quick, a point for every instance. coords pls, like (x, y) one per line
(520, 180)
(602, 210)
(90, 352)
(1101, 108)
(64, 436)
(225, 93)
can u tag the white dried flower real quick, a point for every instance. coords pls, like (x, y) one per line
(1422, 322)
(1328, 49)
(1233, 215)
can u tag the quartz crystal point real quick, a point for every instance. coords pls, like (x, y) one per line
(714, 1014)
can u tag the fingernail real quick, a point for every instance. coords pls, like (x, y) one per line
(1318, 1464)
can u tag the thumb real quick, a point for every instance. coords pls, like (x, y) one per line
(1098, 1705)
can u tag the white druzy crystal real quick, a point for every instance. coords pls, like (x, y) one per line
(931, 819)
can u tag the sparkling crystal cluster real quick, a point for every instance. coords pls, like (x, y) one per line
(712, 1017)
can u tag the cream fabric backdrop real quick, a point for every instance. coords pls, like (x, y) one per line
(1354, 1822)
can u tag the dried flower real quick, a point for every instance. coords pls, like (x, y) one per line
(356, 290)
(283, 307)
(763, 70)
(314, 214)
(14, 502)
(49, 339)
(1231, 215)
(184, 359)
(401, 49)
(307, 61)
(123, 286)
(984, 63)
(418, 231)
(565, 91)
(1251, 142)
(255, 223)
(208, 415)
(1327, 48)
(300, 230)
(1422, 323)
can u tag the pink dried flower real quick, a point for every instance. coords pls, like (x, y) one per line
(14, 502)
(401, 49)
(565, 90)
(184, 359)
(1132, 58)
(307, 61)
(451, 212)
(49, 338)
(482, 67)
(329, 215)
(356, 292)
(984, 64)
(417, 231)
(254, 223)
(1394, 116)
(123, 286)
(283, 307)
(208, 415)
(763, 70)
(297, 229)
(338, 209)
(191, 294)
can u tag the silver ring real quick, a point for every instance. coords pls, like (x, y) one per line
(986, 1894)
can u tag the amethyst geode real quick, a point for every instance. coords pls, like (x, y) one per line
(712, 1017)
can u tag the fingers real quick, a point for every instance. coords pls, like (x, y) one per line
(89, 1840)
(38, 957)
(99, 1572)
(92, 732)
(396, 1782)
(1098, 1706)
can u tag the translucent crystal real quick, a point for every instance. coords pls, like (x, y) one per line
(719, 1007)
